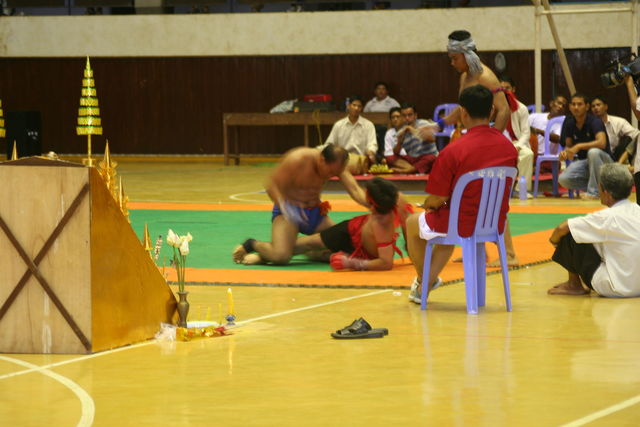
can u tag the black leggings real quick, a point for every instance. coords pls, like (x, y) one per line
(578, 258)
(636, 178)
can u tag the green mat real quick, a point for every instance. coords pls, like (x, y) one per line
(216, 233)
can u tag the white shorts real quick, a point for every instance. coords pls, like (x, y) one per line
(426, 232)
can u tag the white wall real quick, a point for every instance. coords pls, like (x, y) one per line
(366, 32)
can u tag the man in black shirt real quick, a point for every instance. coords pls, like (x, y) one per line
(586, 144)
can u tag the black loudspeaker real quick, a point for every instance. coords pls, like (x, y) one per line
(24, 127)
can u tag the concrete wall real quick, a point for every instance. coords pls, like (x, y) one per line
(366, 32)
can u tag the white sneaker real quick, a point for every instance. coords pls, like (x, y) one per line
(414, 293)
(438, 283)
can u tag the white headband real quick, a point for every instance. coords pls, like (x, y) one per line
(467, 48)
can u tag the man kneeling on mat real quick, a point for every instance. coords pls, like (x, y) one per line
(366, 242)
(601, 249)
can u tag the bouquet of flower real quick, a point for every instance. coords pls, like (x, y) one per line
(180, 245)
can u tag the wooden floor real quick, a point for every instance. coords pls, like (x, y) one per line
(552, 361)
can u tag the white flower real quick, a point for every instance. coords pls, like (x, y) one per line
(184, 247)
(173, 239)
(186, 238)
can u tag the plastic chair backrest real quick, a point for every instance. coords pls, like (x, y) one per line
(547, 134)
(446, 109)
(494, 181)
(532, 108)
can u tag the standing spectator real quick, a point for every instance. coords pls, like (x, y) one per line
(417, 139)
(619, 131)
(382, 102)
(634, 100)
(357, 135)
(586, 143)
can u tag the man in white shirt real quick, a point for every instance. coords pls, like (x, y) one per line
(538, 123)
(357, 135)
(382, 102)
(391, 137)
(619, 130)
(601, 249)
(518, 131)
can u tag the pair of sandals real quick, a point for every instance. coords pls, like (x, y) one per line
(360, 328)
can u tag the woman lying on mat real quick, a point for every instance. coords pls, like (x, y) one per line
(366, 242)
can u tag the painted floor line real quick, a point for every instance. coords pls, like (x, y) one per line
(142, 344)
(604, 412)
(86, 402)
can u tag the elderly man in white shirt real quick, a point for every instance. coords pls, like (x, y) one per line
(519, 133)
(382, 102)
(601, 249)
(616, 127)
(357, 135)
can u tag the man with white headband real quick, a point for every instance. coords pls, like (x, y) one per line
(464, 58)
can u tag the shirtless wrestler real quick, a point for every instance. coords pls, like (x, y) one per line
(366, 242)
(464, 58)
(294, 187)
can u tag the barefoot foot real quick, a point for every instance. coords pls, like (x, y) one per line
(511, 262)
(238, 254)
(252, 259)
(568, 288)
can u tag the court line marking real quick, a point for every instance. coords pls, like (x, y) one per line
(604, 412)
(86, 402)
(237, 197)
(153, 341)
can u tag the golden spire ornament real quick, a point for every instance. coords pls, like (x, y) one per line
(146, 243)
(89, 122)
(14, 152)
(3, 132)
(122, 201)
(108, 171)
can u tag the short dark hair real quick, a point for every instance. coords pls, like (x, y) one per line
(353, 98)
(332, 153)
(584, 97)
(394, 110)
(386, 86)
(477, 100)
(508, 79)
(460, 35)
(406, 105)
(616, 179)
(601, 98)
(383, 193)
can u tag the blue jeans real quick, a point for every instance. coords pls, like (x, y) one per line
(584, 174)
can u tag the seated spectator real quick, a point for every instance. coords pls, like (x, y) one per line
(586, 144)
(538, 123)
(391, 136)
(628, 158)
(382, 102)
(481, 147)
(601, 249)
(619, 131)
(518, 132)
(357, 135)
(417, 139)
(366, 242)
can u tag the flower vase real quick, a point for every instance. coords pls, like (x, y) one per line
(183, 309)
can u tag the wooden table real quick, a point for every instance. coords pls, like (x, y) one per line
(235, 120)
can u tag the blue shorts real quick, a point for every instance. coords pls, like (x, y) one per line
(313, 215)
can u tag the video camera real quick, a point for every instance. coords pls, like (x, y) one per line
(619, 68)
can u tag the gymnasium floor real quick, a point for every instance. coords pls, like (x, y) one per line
(552, 361)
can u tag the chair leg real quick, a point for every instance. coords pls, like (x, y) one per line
(481, 273)
(470, 279)
(426, 269)
(554, 177)
(502, 250)
(536, 178)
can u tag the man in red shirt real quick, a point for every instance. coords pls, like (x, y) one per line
(481, 147)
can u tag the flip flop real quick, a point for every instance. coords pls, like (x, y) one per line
(360, 328)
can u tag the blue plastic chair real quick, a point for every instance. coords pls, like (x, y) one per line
(494, 188)
(532, 108)
(447, 109)
(548, 156)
